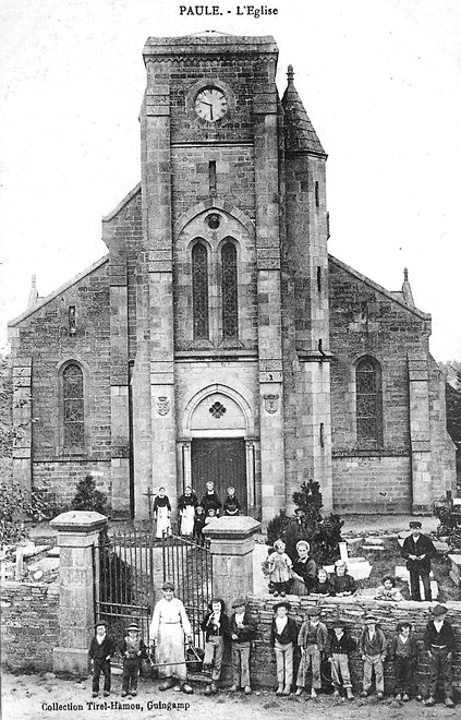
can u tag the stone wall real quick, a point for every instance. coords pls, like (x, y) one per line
(30, 628)
(352, 611)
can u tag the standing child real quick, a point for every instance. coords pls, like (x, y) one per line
(133, 649)
(339, 646)
(404, 654)
(373, 647)
(162, 513)
(100, 652)
(284, 636)
(231, 504)
(209, 516)
(388, 591)
(242, 630)
(186, 511)
(440, 644)
(279, 565)
(199, 522)
(312, 640)
(216, 628)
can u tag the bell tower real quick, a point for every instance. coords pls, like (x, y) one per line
(208, 302)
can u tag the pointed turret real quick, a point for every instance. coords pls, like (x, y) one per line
(33, 294)
(300, 133)
(406, 289)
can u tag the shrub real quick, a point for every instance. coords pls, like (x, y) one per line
(87, 497)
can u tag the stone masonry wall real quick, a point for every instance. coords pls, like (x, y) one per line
(352, 611)
(30, 627)
(367, 321)
(44, 337)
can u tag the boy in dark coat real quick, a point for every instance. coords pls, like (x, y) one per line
(216, 627)
(403, 651)
(439, 641)
(283, 638)
(418, 550)
(338, 648)
(242, 631)
(133, 649)
(101, 650)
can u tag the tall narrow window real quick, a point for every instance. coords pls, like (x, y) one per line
(229, 291)
(200, 291)
(73, 406)
(212, 177)
(368, 403)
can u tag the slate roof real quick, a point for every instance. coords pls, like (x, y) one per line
(299, 131)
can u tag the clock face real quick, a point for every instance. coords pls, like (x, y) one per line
(211, 104)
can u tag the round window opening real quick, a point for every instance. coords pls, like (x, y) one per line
(214, 221)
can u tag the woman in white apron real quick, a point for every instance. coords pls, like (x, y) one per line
(162, 513)
(170, 629)
(186, 510)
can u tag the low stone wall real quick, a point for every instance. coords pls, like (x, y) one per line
(352, 611)
(30, 627)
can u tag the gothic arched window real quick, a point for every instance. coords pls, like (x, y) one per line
(73, 406)
(200, 291)
(368, 403)
(229, 291)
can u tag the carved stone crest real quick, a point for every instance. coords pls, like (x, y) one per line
(271, 403)
(163, 405)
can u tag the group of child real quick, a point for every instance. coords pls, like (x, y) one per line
(192, 514)
(315, 641)
(302, 576)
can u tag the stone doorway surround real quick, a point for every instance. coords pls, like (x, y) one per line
(204, 418)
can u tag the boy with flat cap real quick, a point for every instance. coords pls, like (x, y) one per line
(373, 648)
(312, 639)
(439, 641)
(133, 649)
(101, 650)
(418, 550)
(242, 631)
(283, 638)
(340, 645)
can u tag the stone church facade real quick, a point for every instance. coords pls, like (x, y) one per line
(218, 339)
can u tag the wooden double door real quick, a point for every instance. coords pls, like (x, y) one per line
(223, 461)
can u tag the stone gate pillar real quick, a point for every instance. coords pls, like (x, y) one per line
(78, 535)
(231, 545)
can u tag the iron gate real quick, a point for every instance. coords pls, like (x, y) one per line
(131, 566)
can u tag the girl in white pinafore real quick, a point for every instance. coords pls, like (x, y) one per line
(170, 628)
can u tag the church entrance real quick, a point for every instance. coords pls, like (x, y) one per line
(223, 461)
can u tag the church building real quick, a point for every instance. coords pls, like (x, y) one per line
(218, 340)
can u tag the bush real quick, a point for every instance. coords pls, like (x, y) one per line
(88, 498)
(323, 534)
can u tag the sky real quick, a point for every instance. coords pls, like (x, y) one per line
(380, 81)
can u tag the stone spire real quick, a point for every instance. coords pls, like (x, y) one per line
(300, 133)
(33, 294)
(406, 289)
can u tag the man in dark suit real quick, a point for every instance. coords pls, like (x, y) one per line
(418, 550)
